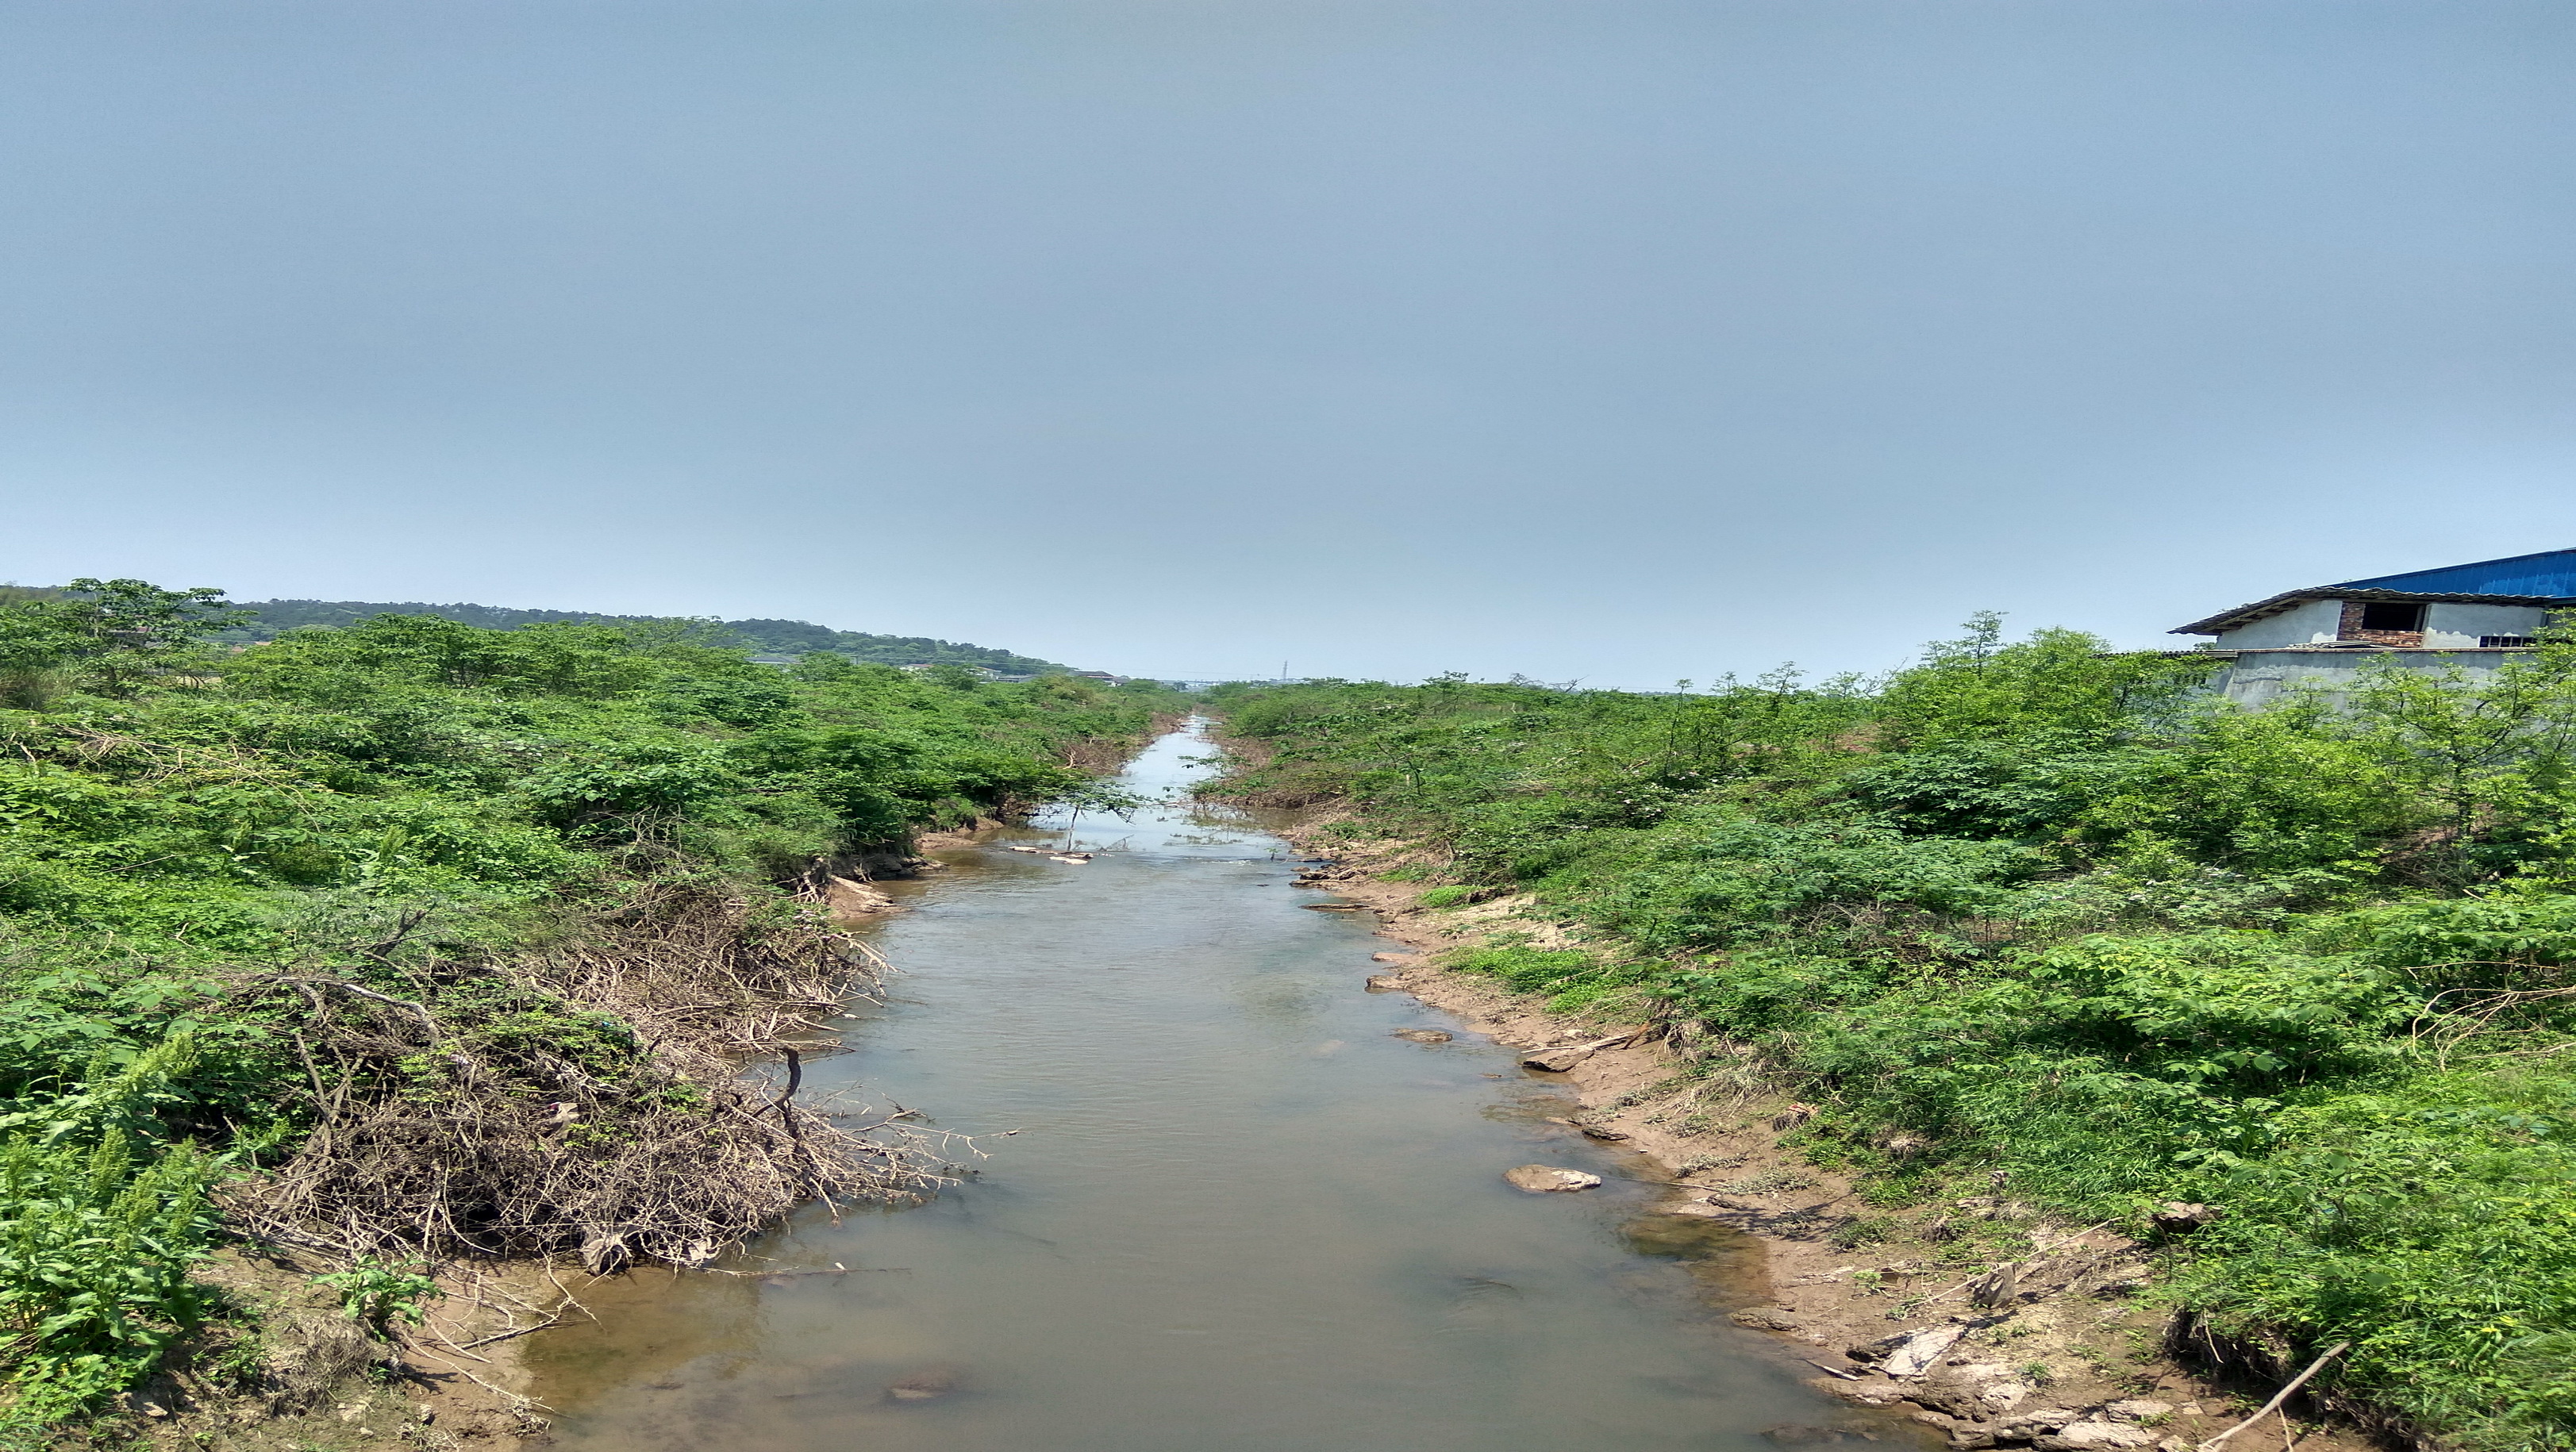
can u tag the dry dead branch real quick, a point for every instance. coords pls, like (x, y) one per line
(2283, 1395)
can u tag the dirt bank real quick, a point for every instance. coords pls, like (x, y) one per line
(2018, 1330)
(327, 1382)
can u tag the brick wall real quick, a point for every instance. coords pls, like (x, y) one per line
(2351, 629)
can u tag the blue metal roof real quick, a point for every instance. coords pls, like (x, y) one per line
(2551, 572)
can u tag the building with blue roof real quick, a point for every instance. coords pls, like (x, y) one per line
(2470, 617)
(2488, 605)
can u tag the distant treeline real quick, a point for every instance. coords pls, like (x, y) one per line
(270, 618)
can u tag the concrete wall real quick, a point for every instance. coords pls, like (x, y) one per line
(2260, 677)
(2308, 622)
(2455, 625)
(2446, 627)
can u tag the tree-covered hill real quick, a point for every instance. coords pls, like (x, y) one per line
(267, 619)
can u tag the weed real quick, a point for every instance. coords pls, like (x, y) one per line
(379, 1294)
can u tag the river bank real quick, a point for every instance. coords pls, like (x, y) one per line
(2070, 1352)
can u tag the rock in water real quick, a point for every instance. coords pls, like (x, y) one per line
(1424, 1036)
(930, 1381)
(1385, 983)
(848, 897)
(1544, 1179)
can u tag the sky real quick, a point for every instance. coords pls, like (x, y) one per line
(1620, 341)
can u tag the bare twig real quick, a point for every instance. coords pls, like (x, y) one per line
(2283, 1395)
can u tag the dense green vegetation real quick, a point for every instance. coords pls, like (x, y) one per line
(261, 620)
(2038, 909)
(406, 880)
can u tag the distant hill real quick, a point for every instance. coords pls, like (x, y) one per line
(765, 637)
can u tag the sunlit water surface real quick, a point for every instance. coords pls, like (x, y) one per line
(1237, 1215)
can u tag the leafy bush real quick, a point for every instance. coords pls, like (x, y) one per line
(193, 839)
(2040, 909)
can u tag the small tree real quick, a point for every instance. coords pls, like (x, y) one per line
(115, 631)
(2493, 758)
(2061, 684)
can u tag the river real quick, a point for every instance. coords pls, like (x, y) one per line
(1234, 1213)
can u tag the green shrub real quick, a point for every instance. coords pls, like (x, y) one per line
(181, 829)
(2037, 909)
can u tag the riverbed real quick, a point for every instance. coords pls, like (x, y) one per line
(1223, 1208)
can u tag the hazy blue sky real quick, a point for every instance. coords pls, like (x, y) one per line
(1610, 339)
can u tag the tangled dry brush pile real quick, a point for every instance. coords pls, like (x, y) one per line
(584, 1099)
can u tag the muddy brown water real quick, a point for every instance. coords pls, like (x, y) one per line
(1237, 1215)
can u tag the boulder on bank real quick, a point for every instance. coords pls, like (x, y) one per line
(1921, 1350)
(2096, 1437)
(2181, 1217)
(1908, 1353)
(1548, 1179)
(1974, 1389)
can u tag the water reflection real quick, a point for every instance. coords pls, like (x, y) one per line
(1239, 1214)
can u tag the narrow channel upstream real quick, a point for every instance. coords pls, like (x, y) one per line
(1236, 1216)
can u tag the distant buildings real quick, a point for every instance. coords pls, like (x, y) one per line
(2471, 616)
